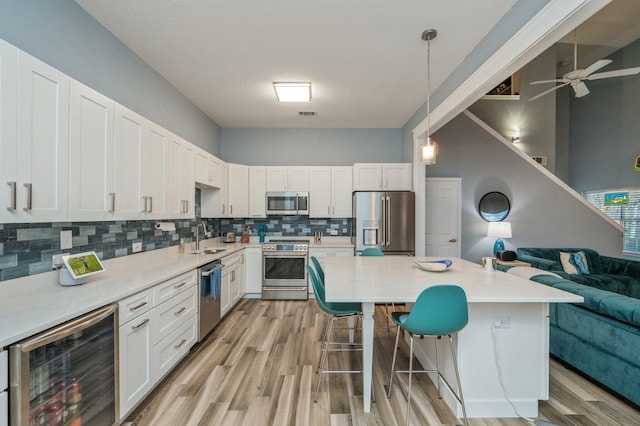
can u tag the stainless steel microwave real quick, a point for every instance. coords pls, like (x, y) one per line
(287, 203)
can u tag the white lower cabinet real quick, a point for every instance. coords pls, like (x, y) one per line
(158, 326)
(232, 282)
(4, 384)
(253, 270)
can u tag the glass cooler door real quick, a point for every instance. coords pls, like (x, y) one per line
(67, 375)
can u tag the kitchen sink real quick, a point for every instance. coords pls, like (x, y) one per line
(208, 251)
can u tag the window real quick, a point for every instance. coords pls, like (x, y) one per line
(625, 213)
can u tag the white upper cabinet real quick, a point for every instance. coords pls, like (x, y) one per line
(382, 177)
(128, 151)
(238, 190)
(330, 191)
(91, 145)
(257, 187)
(8, 140)
(341, 191)
(208, 169)
(287, 179)
(152, 176)
(180, 178)
(42, 142)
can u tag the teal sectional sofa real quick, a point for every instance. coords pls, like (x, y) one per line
(600, 337)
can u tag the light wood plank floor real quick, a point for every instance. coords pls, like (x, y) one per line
(258, 368)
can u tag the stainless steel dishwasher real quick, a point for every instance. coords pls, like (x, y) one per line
(209, 300)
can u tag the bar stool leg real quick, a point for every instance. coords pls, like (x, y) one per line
(393, 363)
(438, 368)
(410, 376)
(323, 357)
(455, 366)
(324, 343)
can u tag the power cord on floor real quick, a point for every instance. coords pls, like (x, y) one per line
(496, 359)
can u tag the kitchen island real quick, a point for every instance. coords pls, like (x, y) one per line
(506, 340)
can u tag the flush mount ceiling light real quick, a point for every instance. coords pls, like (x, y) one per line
(293, 92)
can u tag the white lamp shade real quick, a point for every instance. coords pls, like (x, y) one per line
(499, 230)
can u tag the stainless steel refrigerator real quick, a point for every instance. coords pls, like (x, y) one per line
(385, 220)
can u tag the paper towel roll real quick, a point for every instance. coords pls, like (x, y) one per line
(166, 226)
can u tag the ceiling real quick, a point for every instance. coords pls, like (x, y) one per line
(365, 58)
(610, 29)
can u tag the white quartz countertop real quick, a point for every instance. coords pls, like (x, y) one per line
(32, 304)
(398, 279)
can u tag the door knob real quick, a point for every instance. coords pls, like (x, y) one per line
(453, 240)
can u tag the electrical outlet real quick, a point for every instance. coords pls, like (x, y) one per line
(136, 247)
(333, 232)
(66, 240)
(504, 322)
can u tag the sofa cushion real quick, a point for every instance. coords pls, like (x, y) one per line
(553, 254)
(567, 265)
(617, 306)
(613, 337)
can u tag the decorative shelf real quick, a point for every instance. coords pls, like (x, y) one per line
(508, 90)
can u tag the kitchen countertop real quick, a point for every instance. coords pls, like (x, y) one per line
(30, 305)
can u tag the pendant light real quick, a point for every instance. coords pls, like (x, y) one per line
(429, 149)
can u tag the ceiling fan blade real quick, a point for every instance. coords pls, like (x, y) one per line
(616, 73)
(557, 80)
(595, 67)
(581, 89)
(548, 91)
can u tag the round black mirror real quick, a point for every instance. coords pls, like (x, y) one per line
(494, 207)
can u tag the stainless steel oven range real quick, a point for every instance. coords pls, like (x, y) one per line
(284, 275)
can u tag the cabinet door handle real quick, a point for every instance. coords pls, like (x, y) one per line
(223, 208)
(29, 199)
(230, 208)
(182, 342)
(328, 209)
(12, 206)
(453, 240)
(144, 204)
(334, 210)
(150, 204)
(112, 196)
(186, 206)
(182, 284)
(179, 311)
(135, 308)
(136, 327)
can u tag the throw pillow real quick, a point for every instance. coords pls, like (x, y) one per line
(579, 260)
(574, 263)
(565, 259)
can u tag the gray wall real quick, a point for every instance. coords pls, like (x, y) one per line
(536, 120)
(605, 129)
(311, 147)
(542, 215)
(62, 34)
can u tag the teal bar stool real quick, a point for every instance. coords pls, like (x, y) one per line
(375, 251)
(336, 311)
(318, 267)
(440, 310)
(372, 251)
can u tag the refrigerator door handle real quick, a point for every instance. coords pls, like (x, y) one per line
(387, 217)
(384, 222)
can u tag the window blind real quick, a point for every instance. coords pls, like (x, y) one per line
(627, 215)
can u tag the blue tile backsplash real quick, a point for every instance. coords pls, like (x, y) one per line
(26, 248)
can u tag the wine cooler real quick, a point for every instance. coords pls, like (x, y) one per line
(68, 374)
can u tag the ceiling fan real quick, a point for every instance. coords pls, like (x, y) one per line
(577, 77)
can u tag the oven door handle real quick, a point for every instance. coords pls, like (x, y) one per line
(275, 254)
(284, 288)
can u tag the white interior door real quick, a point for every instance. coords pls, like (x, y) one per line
(443, 212)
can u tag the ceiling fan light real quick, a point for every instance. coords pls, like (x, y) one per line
(293, 92)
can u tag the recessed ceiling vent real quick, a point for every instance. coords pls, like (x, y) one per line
(307, 113)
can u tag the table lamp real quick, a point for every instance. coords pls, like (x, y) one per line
(499, 230)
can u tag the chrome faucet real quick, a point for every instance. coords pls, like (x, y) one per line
(204, 231)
